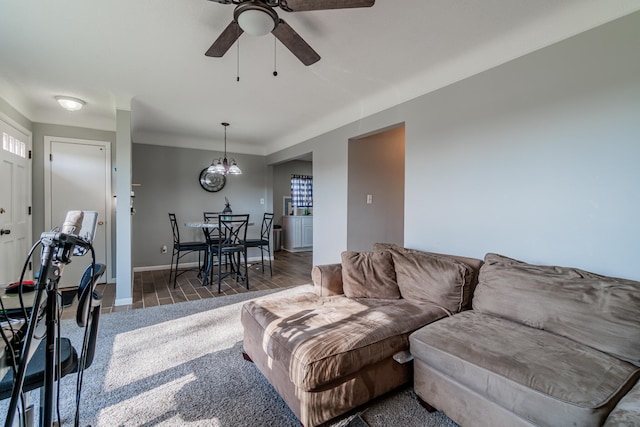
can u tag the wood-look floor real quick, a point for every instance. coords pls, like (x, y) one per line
(152, 288)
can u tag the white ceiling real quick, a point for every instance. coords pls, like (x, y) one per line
(147, 56)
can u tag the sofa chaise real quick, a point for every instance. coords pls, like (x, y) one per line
(328, 351)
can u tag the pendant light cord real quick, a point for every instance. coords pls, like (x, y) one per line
(237, 66)
(275, 64)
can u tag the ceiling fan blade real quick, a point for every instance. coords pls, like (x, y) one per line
(225, 40)
(295, 43)
(303, 5)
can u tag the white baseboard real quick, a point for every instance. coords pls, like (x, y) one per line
(123, 301)
(161, 267)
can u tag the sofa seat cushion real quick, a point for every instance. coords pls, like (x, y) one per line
(542, 377)
(320, 340)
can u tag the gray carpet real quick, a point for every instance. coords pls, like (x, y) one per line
(181, 364)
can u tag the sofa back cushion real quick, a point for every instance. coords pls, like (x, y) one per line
(369, 275)
(440, 279)
(327, 279)
(601, 312)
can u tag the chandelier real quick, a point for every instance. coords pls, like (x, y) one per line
(221, 165)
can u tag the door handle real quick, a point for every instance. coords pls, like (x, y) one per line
(2, 210)
(100, 222)
(3, 232)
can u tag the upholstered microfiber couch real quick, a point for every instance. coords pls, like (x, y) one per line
(329, 351)
(543, 346)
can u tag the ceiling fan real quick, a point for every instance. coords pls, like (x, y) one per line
(258, 17)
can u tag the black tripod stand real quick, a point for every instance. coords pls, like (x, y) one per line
(57, 251)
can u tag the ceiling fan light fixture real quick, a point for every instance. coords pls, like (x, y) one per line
(259, 17)
(69, 103)
(256, 19)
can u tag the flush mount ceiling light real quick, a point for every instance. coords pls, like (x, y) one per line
(69, 103)
(221, 165)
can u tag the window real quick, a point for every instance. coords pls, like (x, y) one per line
(13, 145)
(302, 191)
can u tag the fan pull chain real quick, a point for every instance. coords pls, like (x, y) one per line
(275, 63)
(238, 62)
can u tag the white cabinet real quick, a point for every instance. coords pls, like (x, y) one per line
(298, 233)
(307, 231)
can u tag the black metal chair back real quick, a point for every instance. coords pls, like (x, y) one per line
(174, 229)
(211, 235)
(233, 233)
(180, 249)
(267, 222)
(211, 216)
(264, 242)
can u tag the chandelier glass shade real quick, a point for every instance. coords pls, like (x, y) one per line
(222, 165)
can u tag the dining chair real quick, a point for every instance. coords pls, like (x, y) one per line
(233, 233)
(212, 237)
(181, 249)
(264, 242)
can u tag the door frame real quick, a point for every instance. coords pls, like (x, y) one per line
(108, 204)
(29, 174)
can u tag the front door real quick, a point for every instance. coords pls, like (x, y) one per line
(79, 179)
(15, 202)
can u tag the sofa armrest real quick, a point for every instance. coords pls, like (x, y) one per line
(327, 279)
(627, 411)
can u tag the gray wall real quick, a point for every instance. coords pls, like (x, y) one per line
(168, 179)
(536, 159)
(282, 183)
(15, 115)
(376, 168)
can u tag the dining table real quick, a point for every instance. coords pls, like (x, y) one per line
(209, 225)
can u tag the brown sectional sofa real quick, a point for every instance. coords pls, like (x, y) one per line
(543, 346)
(332, 350)
(495, 343)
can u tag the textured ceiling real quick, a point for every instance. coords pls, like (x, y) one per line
(147, 56)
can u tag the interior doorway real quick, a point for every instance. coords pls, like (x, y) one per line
(376, 171)
(297, 229)
(78, 177)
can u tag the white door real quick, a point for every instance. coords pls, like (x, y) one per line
(15, 201)
(79, 179)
